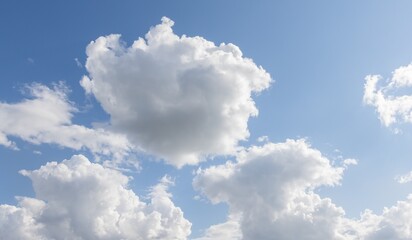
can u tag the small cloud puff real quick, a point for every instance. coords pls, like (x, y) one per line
(392, 105)
(78, 63)
(263, 139)
(406, 178)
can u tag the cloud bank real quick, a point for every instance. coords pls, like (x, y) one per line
(392, 102)
(45, 117)
(181, 98)
(80, 200)
(271, 194)
(270, 189)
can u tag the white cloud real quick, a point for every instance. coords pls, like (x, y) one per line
(46, 116)
(349, 161)
(394, 223)
(263, 139)
(271, 191)
(229, 230)
(271, 188)
(78, 63)
(80, 200)
(181, 98)
(391, 105)
(404, 178)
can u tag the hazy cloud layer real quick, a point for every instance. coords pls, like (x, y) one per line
(270, 192)
(393, 102)
(45, 117)
(181, 98)
(80, 200)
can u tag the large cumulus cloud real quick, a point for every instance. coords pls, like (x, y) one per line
(181, 98)
(271, 192)
(80, 200)
(46, 117)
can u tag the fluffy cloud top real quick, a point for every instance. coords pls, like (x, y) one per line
(394, 223)
(271, 189)
(270, 192)
(79, 200)
(46, 118)
(389, 102)
(181, 98)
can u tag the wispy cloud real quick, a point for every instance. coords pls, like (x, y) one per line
(48, 113)
(406, 178)
(78, 63)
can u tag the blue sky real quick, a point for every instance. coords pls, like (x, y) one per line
(317, 53)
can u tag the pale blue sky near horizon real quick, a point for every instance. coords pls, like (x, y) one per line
(317, 52)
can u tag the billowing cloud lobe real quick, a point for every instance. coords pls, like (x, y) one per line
(80, 200)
